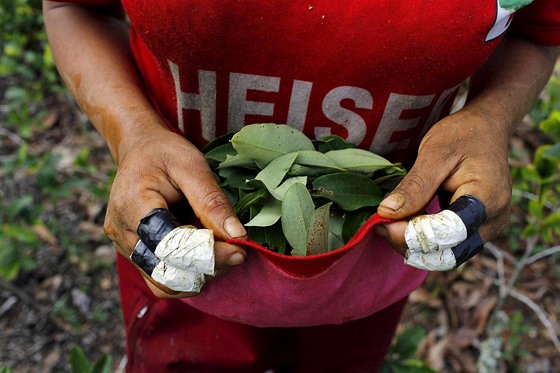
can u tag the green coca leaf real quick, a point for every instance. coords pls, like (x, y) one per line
(220, 153)
(280, 192)
(348, 190)
(297, 209)
(354, 221)
(318, 231)
(313, 158)
(332, 142)
(265, 142)
(269, 215)
(273, 174)
(358, 160)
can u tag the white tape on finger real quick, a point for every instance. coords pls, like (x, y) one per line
(430, 239)
(188, 248)
(186, 254)
(178, 279)
(442, 260)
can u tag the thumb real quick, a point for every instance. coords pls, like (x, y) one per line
(416, 190)
(210, 204)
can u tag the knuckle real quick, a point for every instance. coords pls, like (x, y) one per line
(413, 184)
(110, 230)
(215, 201)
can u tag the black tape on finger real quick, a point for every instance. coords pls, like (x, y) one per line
(156, 225)
(471, 211)
(468, 248)
(144, 258)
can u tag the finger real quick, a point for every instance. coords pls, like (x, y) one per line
(207, 199)
(394, 233)
(417, 188)
(497, 206)
(470, 211)
(127, 206)
(447, 239)
(468, 249)
(227, 256)
(146, 269)
(160, 228)
(164, 292)
(164, 273)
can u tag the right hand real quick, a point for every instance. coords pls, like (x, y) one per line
(155, 170)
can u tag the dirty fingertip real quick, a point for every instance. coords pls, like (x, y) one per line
(393, 203)
(236, 259)
(234, 228)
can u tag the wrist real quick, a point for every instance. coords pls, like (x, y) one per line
(132, 133)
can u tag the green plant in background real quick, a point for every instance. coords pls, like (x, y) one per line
(515, 329)
(402, 353)
(26, 64)
(536, 195)
(17, 236)
(538, 183)
(81, 364)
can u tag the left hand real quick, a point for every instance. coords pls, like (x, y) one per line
(464, 153)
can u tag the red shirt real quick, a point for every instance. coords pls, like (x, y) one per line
(378, 73)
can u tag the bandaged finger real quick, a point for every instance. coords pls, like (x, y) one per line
(447, 239)
(174, 278)
(189, 249)
(178, 279)
(175, 256)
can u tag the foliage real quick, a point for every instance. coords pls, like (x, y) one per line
(401, 357)
(515, 329)
(315, 194)
(540, 179)
(536, 200)
(17, 236)
(81, 364)
(26, 63)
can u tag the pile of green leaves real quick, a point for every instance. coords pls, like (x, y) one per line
(298, 196)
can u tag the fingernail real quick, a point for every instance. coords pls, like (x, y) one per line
(234, 228)
(394, 202)
(236, 259)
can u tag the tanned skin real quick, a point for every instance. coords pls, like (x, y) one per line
(464, 153)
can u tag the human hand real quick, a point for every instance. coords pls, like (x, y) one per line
(158, 169)
(463, 154)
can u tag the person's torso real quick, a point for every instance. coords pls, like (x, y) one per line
(378, 73)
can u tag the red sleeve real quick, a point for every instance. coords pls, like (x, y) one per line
(538, 22)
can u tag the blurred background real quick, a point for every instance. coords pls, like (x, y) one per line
(59, 305)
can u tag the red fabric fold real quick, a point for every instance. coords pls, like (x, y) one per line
(307, 266)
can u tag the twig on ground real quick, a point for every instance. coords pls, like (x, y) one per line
(499, 255)
(530, 196)
(542, 254)
(507, 289)
(12, 136)
(495, 250)
(531, 242)
(541, 315)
